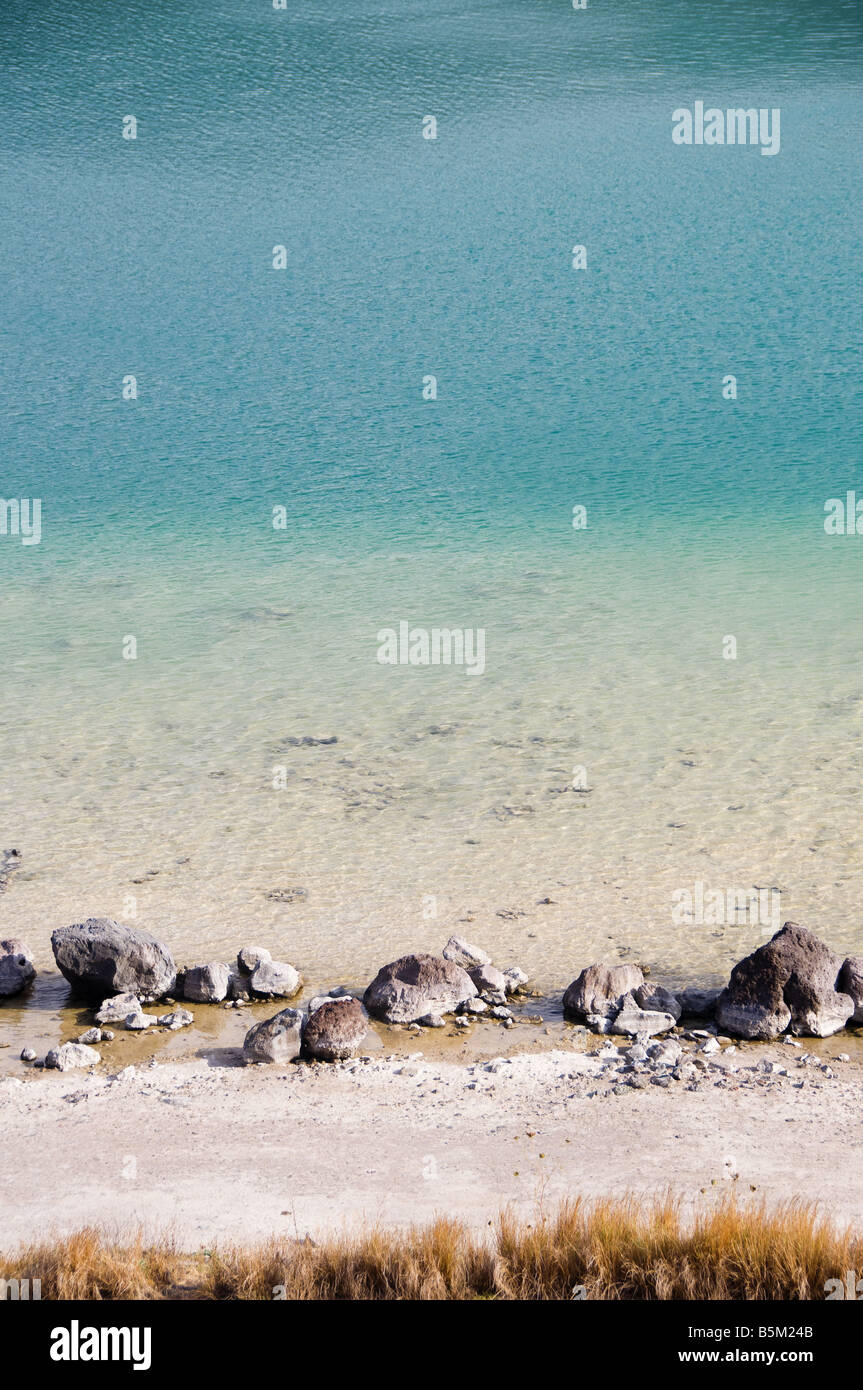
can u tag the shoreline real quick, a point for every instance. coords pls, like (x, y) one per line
(206, 1152)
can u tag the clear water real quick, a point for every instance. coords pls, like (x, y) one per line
(447, 801)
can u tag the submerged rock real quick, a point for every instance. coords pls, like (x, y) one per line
(335, 1030)
(276, 1039)
(413, 986)
(101, 957)
(790, 982)
(178, 1018)
(599, 990)
(16, 967)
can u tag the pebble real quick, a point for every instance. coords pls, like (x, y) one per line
(28, 1055)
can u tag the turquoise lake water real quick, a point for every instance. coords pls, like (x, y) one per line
(144, 789)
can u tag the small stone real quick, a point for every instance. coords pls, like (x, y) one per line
(28, 1055)
(92, 1035)
(117, 1008)
(514, 979)
(666, 1052)
(178, 1018)
(138, 1023)
(432, 1021)
(711, 1046)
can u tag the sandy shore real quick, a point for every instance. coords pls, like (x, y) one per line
(215, 1153)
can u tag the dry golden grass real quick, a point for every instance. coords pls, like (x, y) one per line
(614, 1249)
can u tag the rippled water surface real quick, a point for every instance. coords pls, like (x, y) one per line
(609, 755)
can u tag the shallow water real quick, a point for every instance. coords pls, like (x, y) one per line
(144, 789)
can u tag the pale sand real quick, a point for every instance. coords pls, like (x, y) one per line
(221, 1153)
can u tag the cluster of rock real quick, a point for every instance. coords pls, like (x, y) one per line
(254, 976)
(419, 989)
(331, 1031)
(423, 988)
(793, 983)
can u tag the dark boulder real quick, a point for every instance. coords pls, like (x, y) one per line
(791, 982)
(413, 986)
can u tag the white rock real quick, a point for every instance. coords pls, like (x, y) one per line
(72, 1055)
(117, 1008)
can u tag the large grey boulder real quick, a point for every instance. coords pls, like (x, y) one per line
(790, 982)
(101, 957)
(275, 980)
(462, 953)
(276, 1039)
(16, 967)
(72, 1055)
(599, 990)
(412, 986)
(851, 982)
(206, 984)
(335, 1030)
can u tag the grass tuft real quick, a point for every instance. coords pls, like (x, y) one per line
(612, 1249)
